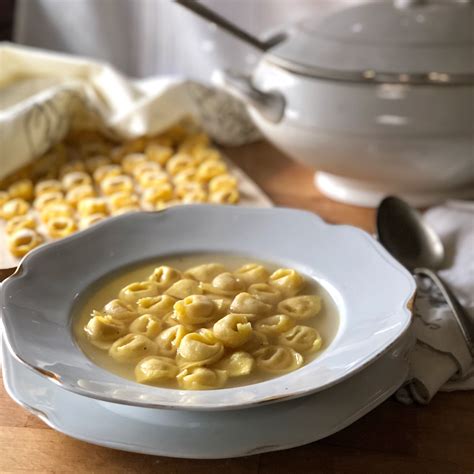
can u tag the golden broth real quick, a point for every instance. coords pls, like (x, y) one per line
(326, 322)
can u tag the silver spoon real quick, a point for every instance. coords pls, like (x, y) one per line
(402, 231)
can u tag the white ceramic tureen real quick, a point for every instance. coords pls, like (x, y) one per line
(378, 97)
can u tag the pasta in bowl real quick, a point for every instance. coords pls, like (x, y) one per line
(209, 334)
(147, 335)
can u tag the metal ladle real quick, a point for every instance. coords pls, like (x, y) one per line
(402, 231)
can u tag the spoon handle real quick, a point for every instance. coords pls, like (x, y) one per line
(464, 320)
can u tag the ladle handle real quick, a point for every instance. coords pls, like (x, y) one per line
(231, 28)
(463, 318)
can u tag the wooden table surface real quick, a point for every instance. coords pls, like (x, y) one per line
(393, 438)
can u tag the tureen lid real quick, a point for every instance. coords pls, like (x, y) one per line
(404, 41)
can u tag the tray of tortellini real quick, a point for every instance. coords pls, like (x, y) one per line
(89, 177)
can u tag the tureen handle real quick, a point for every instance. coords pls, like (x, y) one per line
(271, 105)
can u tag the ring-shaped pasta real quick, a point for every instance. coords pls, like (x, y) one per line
(13, 208)
(199, 348)
(154, 369)
(26, 221)
(61, 226)
(120, 200)
(22, 241)
(233, 330)
(147, 324)
(225, 196)
(301, 307)
(159, 193)
(152, 179)
(159, 305)
(159, 153)
(237, 364)
(22, 189)
(119, 311)
(74, 179)
(201, 378)
(88, 221)
(107, 171)
(131, 293)
(274, 325)
(160, 205)
(183, 288)
(222, 304)
(90, 206)
(164, 276)
(210, 169)
(117, 184)
(205, 272)
(102, 331)
(245, 303)
(169, 340)
(48, 186)
(186, 176)
(201, 154)
(178, 163)
(131, 161)
(132, 347)
(225, 284)
(77, 194)
(256, 341)
(278, 359)
(223, 182)
(182, 189)
(265, 292)
(194, 197)
(47, 198)
(252, 273)
(144, 168)
(302, 339)
(287, 280)
(56, 209)
(95, 162)
(194, 309)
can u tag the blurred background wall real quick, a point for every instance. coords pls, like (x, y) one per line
(148, 37)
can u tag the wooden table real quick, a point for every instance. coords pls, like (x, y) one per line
(393, 438)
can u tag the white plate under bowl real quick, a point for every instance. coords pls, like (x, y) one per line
(371, 290)
(205, 434)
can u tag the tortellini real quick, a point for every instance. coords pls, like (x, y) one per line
(233, 330)
(154, 369)
(132, 348)
(194, 309)
(302, 339)
(287, 280)
(201, 378)
(301, 307)
(208, 326)
(199, 348)
(247, 304)
(278, 359)
(137, 290)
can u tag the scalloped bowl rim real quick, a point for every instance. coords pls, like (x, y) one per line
(347, 354)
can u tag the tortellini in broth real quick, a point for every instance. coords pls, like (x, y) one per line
(208, 326)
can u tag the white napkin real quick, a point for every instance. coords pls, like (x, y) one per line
(441, 352)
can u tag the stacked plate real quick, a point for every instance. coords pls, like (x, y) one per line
(47, 372)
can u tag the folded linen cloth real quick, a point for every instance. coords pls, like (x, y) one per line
(441, 353)
(44, 94)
